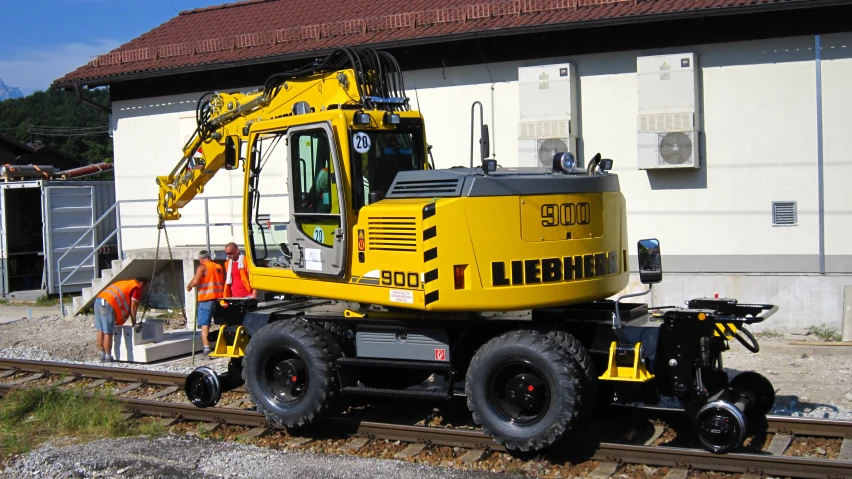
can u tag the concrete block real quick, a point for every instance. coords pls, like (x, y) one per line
(604, 470)
(96, 384)
(677, 474)
(411, 450)
(210, 427)
(163, 393)
(128, 388)
(28, 378)
(779, 444)
(472, 456)
(169, 421)
(355, 444)
(298, 441)
(173, 343)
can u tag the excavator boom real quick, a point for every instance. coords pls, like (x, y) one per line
(223, 118)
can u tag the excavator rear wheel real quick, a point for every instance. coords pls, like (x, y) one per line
(583, 361)
(524, 389)
(288, 373)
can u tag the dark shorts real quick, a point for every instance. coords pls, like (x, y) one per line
(204, 315)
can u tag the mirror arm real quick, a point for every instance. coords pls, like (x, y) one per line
(617, 327)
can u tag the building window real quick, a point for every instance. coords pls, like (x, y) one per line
(784, 213)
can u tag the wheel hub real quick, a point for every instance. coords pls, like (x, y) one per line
(518, 393)
(289, 376)
(202, 387)
(525, 392)
(721, 426)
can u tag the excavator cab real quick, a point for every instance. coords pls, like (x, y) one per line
(329, 177)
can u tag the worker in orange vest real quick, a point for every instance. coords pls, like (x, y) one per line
(210, 283)
(236, 274)
(112, 306)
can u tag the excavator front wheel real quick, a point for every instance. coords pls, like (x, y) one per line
(525, 390)
(289, 374)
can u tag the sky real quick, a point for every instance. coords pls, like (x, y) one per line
(42, 40)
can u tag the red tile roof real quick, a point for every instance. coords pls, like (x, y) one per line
(252, 30)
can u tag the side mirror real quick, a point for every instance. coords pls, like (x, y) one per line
(650, 261)
(232, 152)
(489, 166)
(484, 143)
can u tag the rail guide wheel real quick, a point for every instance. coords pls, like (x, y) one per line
(202, 387)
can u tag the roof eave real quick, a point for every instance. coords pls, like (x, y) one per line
(603, 22)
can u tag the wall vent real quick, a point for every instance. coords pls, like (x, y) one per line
(784, 213)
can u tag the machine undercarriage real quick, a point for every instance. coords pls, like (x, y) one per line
(530, 378)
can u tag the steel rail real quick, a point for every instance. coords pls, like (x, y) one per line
(799, 426)
(99, 372)
(624, 453)
(784, 466)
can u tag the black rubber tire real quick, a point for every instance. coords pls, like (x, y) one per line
(555, 368)
(315, 348)
(341, 334)
(589, 380)
(234, 375)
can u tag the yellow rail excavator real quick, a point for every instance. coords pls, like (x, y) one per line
(397, 279)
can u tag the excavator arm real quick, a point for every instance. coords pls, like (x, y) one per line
(345, 78)
(214, 145)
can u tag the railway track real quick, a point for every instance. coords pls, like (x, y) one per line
(767, 455)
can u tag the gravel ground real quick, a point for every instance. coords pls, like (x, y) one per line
(72, 339)
(190, 457)
(806, 383)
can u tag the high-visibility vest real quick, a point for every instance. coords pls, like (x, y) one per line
(212, 286)
(242, 272)
(118, 296)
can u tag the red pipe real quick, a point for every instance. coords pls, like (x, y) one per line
(86, 170)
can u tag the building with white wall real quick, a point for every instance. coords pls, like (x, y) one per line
(763, 216)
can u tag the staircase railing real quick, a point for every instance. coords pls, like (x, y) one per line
(119, 227)
(94, 250)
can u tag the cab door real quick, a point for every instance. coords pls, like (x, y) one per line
(317, 203)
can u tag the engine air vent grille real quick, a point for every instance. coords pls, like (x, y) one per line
(392, 233)
(426, 188)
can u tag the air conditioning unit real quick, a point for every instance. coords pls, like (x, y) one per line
(672, 149)
(667, 122)
(548, 106)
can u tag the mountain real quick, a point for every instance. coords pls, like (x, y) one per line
(9, 92)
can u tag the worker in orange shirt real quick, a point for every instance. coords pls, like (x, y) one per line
(112, 306)
(236, 275)
(210, 281)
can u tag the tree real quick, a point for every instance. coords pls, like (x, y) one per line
(54, 108)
